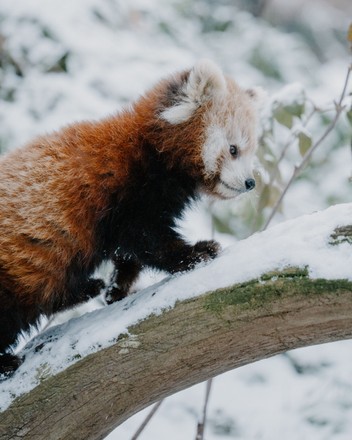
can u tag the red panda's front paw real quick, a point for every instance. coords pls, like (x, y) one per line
(202, 251)
(115, 294)
(8, 365)
(207, 249)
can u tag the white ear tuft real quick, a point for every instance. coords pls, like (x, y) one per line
(205, 81)
(258, 96)
(178, 113)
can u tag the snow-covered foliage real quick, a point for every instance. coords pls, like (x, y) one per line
(61, 62)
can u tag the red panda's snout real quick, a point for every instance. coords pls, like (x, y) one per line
(249, 184)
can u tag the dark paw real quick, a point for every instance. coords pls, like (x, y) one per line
(115, 294)
(93, 288)
(207, 250)
(8, 365)
(202, 251)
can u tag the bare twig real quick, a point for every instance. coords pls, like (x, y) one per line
(338, 110)
(350, 179)
(201, 425)
(290, 141)
(147, 419)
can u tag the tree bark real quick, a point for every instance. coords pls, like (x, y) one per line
(196, 340)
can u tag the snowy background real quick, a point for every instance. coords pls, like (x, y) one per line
(67, 61)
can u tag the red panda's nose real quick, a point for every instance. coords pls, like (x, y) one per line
(249, 184)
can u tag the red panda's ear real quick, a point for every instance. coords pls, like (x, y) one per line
(258, 96)
(204, 82)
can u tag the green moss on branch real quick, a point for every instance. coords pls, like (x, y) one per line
(269, 288)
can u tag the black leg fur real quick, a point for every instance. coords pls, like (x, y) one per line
(126, 272)
(92, 288)
(174, 255)
(8, 364)
(13, 320)
(79, 288)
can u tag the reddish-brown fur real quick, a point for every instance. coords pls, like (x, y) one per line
(86, 162)
(111, 189)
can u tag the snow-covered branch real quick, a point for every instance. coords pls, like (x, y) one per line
(284, 288)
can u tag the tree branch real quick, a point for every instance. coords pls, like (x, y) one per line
(197, 339)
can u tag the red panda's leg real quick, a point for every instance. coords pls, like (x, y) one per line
(172, 254)
(126, 272)
(186, 257)
(92, 288)
(8, 364)
(13, 320)
(78, 289)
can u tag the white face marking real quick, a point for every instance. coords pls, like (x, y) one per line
(231, 121)
(230, 118)
(233, 175)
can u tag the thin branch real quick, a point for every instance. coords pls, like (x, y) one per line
(147, 419)
(350, 179)
(338, 110)
(201, 425)
(293, 137)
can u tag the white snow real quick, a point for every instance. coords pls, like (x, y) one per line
(303, 242)
(116, 50)
(293, 93)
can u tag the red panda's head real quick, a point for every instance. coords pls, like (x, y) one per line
(208, 121)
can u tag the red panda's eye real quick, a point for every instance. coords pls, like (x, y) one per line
(234, 150)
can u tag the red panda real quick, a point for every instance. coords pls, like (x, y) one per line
(113, 189)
